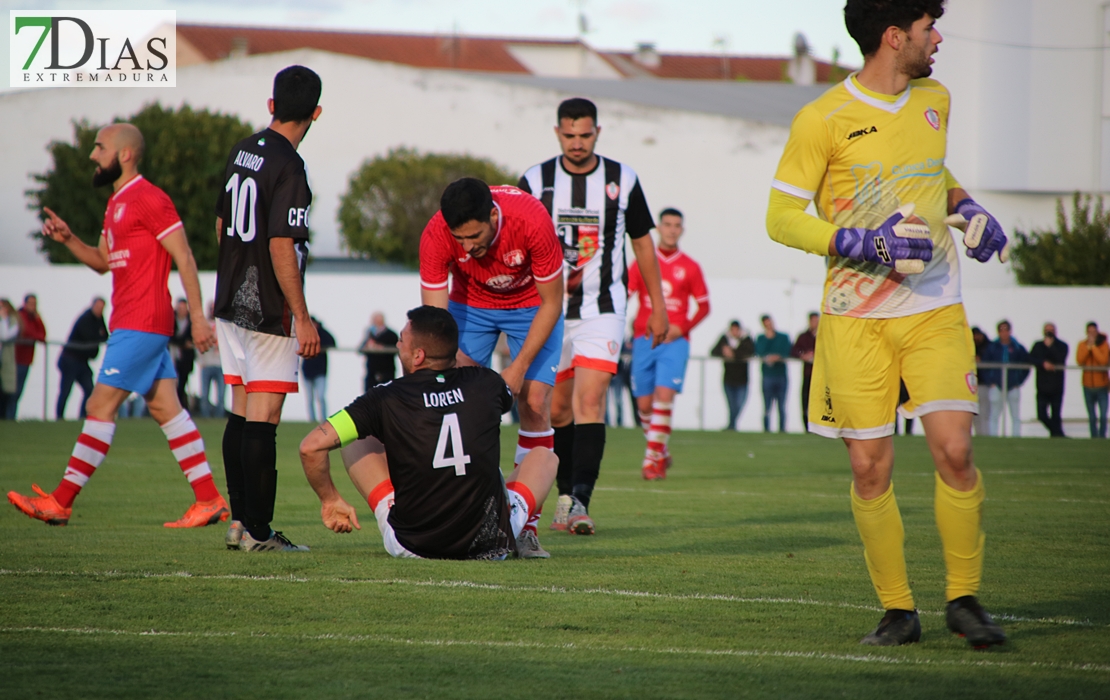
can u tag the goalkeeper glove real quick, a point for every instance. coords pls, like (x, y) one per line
(903, 246)
(983, 235)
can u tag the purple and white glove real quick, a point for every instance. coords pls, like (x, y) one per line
(983, 235)
(903, 246)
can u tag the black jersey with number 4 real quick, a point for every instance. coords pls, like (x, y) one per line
(265, 196)
(441, 432)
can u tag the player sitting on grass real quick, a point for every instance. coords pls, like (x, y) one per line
(424, 451)
(142, 235)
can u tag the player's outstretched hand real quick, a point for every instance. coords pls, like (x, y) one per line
(901, 242)
(983, 235)
(657, 326)
(54, 228)
(514, 377)
(204, 337)
(339, 516)
(307, 337)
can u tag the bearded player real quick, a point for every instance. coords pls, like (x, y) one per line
(142, 235)
(425, 452)
(871, 152)
(499, 247)
(659, 372)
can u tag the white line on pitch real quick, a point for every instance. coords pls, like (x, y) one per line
(838, 496)
(678, 651)
(710, 597)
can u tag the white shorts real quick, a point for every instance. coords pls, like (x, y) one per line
(518, 516)
(593, 343)
(260, 361)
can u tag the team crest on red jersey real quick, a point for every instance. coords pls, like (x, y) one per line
(118, 213)
(514, 258)
(933, 118)
(679, 273)
(612, 190)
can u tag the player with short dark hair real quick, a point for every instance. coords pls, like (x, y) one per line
(499, 247)
(659, 372)
(594, 202)
(871, 153)
(142, 236)
(261, 316)
(425, 451)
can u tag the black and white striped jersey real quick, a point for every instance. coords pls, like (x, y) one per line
(592, 212)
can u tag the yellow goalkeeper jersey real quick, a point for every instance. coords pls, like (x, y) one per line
(860, 155)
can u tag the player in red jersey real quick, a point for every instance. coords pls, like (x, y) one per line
(499, 246)
(658, 373)
(142, 234)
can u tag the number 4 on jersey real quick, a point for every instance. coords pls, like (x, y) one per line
(450, 431)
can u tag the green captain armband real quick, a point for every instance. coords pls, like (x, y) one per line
(344, 427)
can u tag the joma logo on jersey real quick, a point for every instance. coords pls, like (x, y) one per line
(863, 132)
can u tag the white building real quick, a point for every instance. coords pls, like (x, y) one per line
(1027, 127)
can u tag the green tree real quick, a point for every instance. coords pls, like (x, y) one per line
(186, 151)
(1076, 252)
(391, 198)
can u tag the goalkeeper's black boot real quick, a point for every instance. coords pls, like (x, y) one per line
(896, 628)
(968, 619)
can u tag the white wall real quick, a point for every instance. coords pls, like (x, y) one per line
(1025, 119)
(344, 302)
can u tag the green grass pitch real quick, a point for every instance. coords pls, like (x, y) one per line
(741, 575)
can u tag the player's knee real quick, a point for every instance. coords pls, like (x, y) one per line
(954, 454)
(535, 403)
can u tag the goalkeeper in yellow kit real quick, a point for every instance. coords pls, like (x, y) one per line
(870, 152)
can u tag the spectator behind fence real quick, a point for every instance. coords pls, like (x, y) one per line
(1094, 351)
(735, 347)
(211, 373)
(82, 347)
(803, 349)
(380, 347)
(31, 331)
(773, 348)
(1008, 350)
(981, 421)
(315, 371)
(9, 333)
(1050, 355)
(181, 349)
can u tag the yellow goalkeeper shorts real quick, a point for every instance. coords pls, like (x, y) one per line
(858, 362)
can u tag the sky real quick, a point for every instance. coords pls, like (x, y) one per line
(748, 27)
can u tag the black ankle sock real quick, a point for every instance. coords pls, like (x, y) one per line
(233, 463)
(259, 455)
(589, 447)
(564, 450)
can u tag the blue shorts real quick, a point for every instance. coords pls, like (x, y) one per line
(664, 366)
(134, 360)
(480, 328)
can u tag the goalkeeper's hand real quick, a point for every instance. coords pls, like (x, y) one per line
(983, 235)
(901, 242)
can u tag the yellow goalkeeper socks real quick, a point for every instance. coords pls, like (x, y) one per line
(959, 520)
(880, 528)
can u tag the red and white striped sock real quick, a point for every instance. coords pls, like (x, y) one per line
(89, 451)
(645, 421)
(529, 499)
(188, 449)
(660, 431)
(525, 442)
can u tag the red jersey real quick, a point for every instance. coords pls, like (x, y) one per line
(524, 251)
(682, 279)
(138, 217)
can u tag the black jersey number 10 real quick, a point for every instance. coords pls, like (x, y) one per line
(243, 200)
